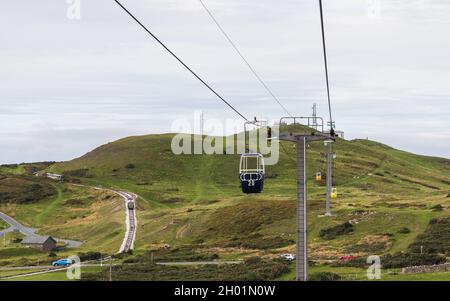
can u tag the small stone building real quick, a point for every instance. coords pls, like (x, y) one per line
(43, 243)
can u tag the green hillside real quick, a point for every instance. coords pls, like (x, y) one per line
(62, 210)
(196, 200)
(390, 198)
(147, 165)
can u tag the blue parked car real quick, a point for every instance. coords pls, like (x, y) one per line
(62, 263)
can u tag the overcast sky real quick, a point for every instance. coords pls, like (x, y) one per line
(68, 85)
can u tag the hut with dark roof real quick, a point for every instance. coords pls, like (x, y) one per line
(43, 243)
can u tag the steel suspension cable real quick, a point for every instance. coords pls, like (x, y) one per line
(180, 61)
(266, 87)
(326, 65)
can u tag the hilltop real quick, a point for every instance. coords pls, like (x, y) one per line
(147, 165)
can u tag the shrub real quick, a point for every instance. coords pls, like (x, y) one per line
(24, 190)
(401, 260)
(438, 207)
(258, 241)
(355, 262)
(253, 260)
(435, 239)
(404, 230)
(90, 256)
(333, 232)
(73, 202)
(325, 276)
(264, 270)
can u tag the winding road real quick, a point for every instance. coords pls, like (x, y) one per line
(130, 222)
(31, 232)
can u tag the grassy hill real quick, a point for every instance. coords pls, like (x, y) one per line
(195, 199)
(147, 165)
(389, 197)
(58, 209)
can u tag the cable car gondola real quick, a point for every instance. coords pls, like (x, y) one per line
(334, 193)
(318, 176)
(252, 172)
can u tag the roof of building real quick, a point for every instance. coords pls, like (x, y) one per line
(38, 240)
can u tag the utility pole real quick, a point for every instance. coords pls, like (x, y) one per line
(329, 153)
(302, 237)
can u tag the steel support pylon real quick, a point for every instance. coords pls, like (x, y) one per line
(329, 152)
(302, 238)
(302, 233)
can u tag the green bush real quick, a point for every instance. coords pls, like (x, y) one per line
(435, 239)
(404, 230)
(333, 232)
(438, 207)
(257, 241)
(77, 173)
(90, 256)
(325, 276)
(357, 262)
(24, 190)
(253, 260)
(256, 271)
(401, 260)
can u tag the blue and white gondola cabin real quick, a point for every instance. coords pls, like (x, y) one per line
(252, 172)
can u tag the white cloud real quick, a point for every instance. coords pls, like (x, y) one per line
(389, 76)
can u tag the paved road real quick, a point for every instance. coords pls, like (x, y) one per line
(130, 222)
(27, 231)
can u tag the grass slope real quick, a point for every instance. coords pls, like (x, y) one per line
(194, 201)
(69, 212)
